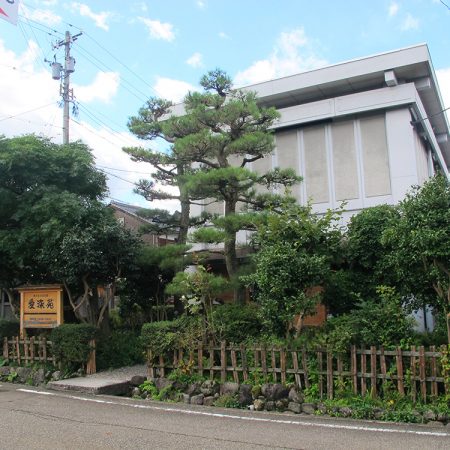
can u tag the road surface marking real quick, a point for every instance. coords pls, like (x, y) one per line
(247, 418)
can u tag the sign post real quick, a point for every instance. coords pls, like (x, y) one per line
(40, 307)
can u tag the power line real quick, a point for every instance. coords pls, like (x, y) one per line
(124, 170)
(445, 4)
(429, 117)
(117, 176)
(26, 112)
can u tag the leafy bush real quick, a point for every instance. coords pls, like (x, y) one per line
(9, 328)
(164, 336)
(227, 401)
(236, 323)
(372, 323)
(71, 343)
(118, 349)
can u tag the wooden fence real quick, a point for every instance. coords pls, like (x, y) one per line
(28, 350)
(415, 372)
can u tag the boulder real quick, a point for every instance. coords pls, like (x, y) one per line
(322, 408)
(345, 411)
(275, 391)
(193, 389)
(163, 383)
(144, 395)
(259, 404)
(23, 374)
(186, 398)
(209, 388)
(38, 377)
(309, 408)
(209, 401)
(197, 399)
(295, 396)
(442, 417)
(137, 380)
(136, 392)
(429, 415)
(56, 376)
(281, 405)
(245, 395)
(4, 371)
(378, 413)
(435, 423)
(229, 388)
(295, 407)
(270, 405)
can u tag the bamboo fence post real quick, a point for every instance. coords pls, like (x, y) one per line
(422, 373)
(91, 366)
(354, 369)
(211, 361)
(283, 365)
(223, 362)
(330, 374)
(264, 360)
(5, 348)
(413, 374)
(434, 386)
(234, 364)
(150, 370)
(256, 358)
(363, 372)
(445, 371)
(175, 358)
(340, 369)
(320, 365)
(305, 367)
(40, 349)
(244, 362)
(200, 359)
(298, 380)
(32, 349)
(400, 384)
(18, 349)
(25, 350)
(162, 370)
(373, 371)
(383, 364)
(274, 364)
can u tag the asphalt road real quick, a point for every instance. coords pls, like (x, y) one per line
(32, 418)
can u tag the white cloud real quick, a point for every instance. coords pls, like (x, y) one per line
(224, 35)
(42, 15)
(292, 53)
(443, 76)
(171, 89)
(159, 30)
(49, 2)
(393, 9)
(196, 60)
(100, 19)
(103, 88)
(26, 86)
(409, 23)
(201, 4)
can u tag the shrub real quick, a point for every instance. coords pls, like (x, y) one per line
(164, 336)
(9, 328)
(118, 349)
(227, 401)
(236, 323)
(71, 344)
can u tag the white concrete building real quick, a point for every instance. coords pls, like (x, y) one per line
(362, 131)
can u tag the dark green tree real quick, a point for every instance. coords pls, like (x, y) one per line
(420, 246)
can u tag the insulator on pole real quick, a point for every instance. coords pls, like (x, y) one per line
(56, 71)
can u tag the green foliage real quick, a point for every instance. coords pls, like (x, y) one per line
(8, 328)
(149, 387)
(227, 401)
(236, 323)
(420, 246)
(295, 252)
(383, 322)
(71, 344)
(165, 336)
(118, 349)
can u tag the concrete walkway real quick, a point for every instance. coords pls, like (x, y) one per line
(111, 382)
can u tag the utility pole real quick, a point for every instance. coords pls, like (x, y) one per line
(63, 74)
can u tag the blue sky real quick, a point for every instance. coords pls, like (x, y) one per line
(135, 49)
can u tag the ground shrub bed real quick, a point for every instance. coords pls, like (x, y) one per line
(277, 397)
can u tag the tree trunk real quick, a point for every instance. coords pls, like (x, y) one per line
(10, 294)
(185, 206)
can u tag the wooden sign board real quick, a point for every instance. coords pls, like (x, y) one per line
(40, 307)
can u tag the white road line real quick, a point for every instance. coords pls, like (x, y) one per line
(247, 418)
